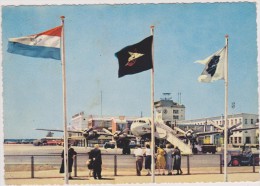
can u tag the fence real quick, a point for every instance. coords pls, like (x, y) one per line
(194, 164)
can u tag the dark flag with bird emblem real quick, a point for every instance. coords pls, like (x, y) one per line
(214, 67)
(135, 58)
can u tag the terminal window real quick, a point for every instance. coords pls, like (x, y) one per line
(235, 139)
(248, 140)
(239, 140)
(175, 111)
(175, 117)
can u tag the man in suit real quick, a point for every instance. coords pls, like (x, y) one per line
(71, 155)
(95, 156)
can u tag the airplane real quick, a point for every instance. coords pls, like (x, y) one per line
(230, 130)
(192, 135)
(141, 127)
(87, 134)
(121, 137)
(49, 134)
(118, 135)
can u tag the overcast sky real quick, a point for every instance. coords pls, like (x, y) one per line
(184, 33)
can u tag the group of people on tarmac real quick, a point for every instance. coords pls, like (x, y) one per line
(94, 163)
(166, 159)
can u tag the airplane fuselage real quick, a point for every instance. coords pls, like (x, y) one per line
(141, 127)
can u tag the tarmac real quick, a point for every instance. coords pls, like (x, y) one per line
(52, 177)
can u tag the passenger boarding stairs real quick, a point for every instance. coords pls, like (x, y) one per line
(165, 132)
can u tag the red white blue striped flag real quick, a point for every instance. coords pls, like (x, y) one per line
(43, 45)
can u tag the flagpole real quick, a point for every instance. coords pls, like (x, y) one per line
(226, 112)
(152, 112)
(66, 175)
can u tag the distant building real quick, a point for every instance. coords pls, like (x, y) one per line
(80, 121)
(237, 138)
(168, 110)
(173, 113)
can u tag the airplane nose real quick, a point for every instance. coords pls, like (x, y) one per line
(134, 129)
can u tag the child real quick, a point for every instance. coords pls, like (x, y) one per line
(90, 167)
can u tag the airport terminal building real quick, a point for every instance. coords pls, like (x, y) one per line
(81, 121)
(173, 114)
(237, 138)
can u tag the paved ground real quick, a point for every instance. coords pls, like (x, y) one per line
(52, 177)
(20, 174)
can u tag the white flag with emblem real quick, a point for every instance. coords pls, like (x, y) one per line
(214, 66)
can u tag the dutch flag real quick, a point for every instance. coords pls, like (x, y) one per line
(43, 45)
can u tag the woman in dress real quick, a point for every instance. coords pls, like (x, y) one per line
(177, 161)
(160, 163)
(169, 158)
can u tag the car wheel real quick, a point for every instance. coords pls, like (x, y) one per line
(235, 162)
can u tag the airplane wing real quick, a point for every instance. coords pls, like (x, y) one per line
(58, 130)
(130, 136)
(207, 133)
(179, 130)
(242, 129)
(215, 125)
(77, 137)
(235, 126)
(103, 133)
(107, 131)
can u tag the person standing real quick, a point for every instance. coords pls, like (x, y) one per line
(148, 159)
(160, 162)
(169, 153)
(95, 157)
(139, 159)
(71, 156)
(177, 160)
(90, 167)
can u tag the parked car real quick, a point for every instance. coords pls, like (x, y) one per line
(132, 144)
(244, 158)
(209, 148)
(110, 145)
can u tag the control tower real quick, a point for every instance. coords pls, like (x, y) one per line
(168, 110)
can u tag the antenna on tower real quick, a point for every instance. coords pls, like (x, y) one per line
(167, 96)
(101, 104)
(179, 98)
